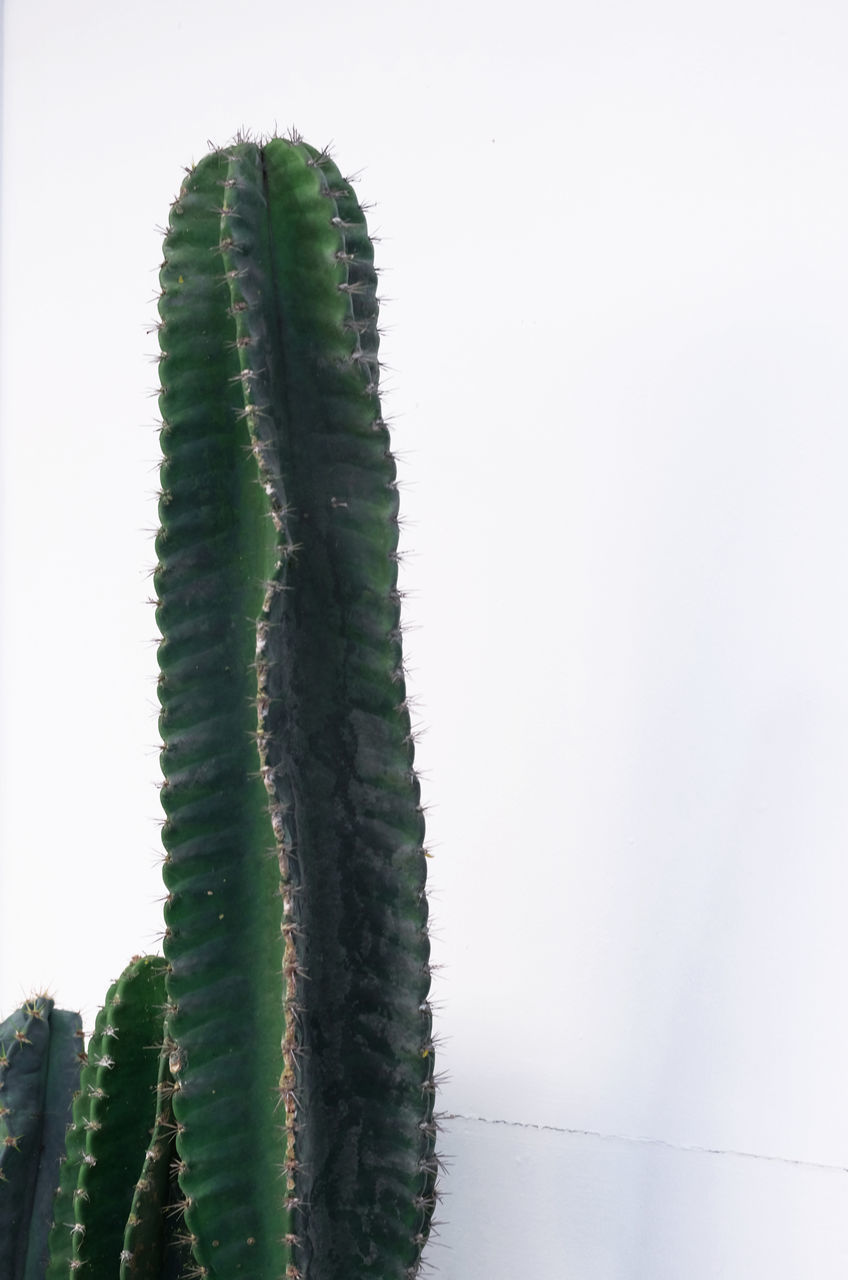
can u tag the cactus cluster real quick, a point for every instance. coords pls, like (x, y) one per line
(260, 1103)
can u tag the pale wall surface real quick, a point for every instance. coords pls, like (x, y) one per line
(541, 1202)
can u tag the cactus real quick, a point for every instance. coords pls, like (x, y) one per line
(113, 1113)
(291, 1131)
(40, 1051)
(296, 869)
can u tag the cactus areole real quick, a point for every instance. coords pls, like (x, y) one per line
(259, 1104)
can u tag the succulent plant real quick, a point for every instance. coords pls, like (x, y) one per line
(280, 1122)
(40, 1052)
(114, 1111)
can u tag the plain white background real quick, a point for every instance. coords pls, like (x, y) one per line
(614, 262)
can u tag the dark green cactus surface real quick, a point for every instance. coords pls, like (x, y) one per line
(296, 941)
(40, 1056)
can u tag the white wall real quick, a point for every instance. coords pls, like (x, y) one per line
(614, 249)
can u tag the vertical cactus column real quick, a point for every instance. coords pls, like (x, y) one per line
(297, 1017)
(40, 1058)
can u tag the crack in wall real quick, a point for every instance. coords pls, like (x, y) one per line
(649, 1142)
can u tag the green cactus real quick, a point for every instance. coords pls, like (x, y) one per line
(40, 1052)
(296, 868)
(113, 1113)
(268, 1112)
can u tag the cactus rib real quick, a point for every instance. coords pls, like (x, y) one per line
(152, 1249)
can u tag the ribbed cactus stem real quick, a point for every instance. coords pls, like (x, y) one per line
(40, 1057)
(113, 1115)
(65, 1057)
(296, 919)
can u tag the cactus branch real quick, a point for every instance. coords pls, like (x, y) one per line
(40, 1051)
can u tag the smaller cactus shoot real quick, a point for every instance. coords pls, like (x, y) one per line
(113, 1114)
(40, 1053)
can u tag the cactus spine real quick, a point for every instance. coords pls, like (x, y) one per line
(260, 1104)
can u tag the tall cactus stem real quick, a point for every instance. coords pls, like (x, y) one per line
(305, 1137)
